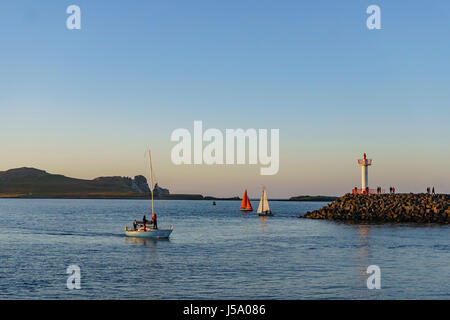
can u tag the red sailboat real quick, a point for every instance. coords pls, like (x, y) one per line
(246, 206)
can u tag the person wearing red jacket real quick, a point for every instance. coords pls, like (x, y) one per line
(154, 221)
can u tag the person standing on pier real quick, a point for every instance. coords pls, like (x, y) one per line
(432, 191)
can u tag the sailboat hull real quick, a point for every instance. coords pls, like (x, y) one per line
(152, 233)
(269, 214)
(246, 210)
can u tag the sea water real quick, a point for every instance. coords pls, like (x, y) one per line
(214, 252)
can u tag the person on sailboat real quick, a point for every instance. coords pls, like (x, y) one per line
(144, 220)
(154, 221)
(135, 225)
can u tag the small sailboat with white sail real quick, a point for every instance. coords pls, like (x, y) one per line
(263, 208)
(153, 231)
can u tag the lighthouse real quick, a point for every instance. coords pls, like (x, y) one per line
(364, 163)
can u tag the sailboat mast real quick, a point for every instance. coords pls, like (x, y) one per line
(151, 180)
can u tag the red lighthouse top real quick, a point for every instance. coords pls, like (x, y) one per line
(364, 161)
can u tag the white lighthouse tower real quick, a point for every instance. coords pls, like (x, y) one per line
(364, 163)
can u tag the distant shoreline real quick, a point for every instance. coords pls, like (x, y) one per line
(32, 183)
(170, 197)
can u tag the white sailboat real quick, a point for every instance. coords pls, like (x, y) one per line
(149, 232)
(263, 208)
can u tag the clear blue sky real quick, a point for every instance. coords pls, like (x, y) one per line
(87, 102)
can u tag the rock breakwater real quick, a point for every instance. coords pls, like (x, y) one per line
(419, 208)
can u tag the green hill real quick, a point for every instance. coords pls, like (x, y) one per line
(30, 182)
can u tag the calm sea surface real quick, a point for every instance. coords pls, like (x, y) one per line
(215, 252)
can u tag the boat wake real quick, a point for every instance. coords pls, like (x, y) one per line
(51, 232)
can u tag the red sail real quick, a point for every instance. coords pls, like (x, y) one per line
(245, 204)
(249, 205)
(244, 200)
